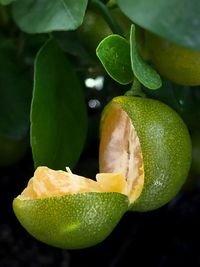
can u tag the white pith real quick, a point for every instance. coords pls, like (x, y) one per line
(120, 152)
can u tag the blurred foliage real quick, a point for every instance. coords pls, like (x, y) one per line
(175, 20)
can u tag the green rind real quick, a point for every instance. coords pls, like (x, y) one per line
(71, 221)
(166, 149)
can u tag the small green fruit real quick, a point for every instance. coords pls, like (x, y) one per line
(148, 142)
(176, 63)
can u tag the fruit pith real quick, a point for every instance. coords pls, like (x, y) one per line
(120, 150)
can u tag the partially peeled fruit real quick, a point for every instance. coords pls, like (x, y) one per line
(70, 211)
(149, 144)
(145, 155)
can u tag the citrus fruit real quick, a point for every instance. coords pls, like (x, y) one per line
(70, 211)
(148, 142)
(145, 155)
(11, 150)
(95, 28)
(176, 63)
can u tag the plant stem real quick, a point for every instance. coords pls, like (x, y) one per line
(136, 89)
(106, 14)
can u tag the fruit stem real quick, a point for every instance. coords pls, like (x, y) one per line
(136, 89)
(106, 14)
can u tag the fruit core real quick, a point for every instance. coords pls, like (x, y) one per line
(121, 165)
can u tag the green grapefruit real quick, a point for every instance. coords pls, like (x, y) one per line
(149, 143)
(176, 63)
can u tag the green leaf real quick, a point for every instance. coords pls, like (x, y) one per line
(15, 94)
(174, 20)
(114, 54)
(36, 16)
(6, 2)
(184, 99)
(58, 114)
(142, 71)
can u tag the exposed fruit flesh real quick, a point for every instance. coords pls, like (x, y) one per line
(47, 182)
(120, 159)
(120, 150)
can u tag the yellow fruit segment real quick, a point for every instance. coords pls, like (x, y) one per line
(120, 150)
(47, 182)
(112, 182)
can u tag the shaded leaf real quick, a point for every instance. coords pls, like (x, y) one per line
(142, 71)
(6, 2)
(36, 16)
(184, 99)
(70, 43)
(58, 115)
(15, 94)
(114, 54)
(174, 20)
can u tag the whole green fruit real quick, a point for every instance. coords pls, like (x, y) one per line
(176, 63)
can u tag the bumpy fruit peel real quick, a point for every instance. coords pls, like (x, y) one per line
(165, 147)
(71, 221)
(69, 211)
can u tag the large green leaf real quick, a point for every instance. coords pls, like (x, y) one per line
(58, 115)
(114, 54)
(6, 2)
(175, 20)
(142, 71)
(15, 94)
(36, 16)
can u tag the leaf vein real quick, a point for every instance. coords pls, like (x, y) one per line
(67, 10)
